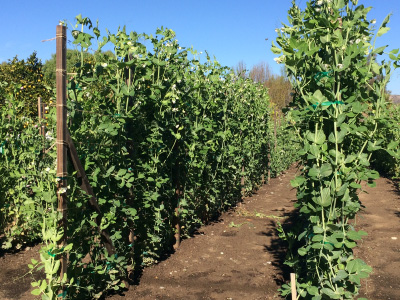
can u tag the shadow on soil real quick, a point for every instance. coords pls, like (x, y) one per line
(135, 276)
(278, 247)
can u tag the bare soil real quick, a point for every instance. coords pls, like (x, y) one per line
(240, 255)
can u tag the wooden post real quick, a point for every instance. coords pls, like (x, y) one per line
(42, 130)
(176, 219)
(293, 285)
(40, 115)
(275, 129)
(242, 180)
(269, 162)
(62, 171)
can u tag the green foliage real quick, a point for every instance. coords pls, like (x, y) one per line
(387, 162)
(164, 140)
(284, 142)
(24, 83)
(74, 61)
(339, 110)
(279, 88)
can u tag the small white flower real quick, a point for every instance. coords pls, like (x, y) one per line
(62, 190)
(373, 21)
(357, 41)
(46, 107)
(173, 101)
(175, 109)
(276, 30)
(49, 136)
(180, 48)
(340, 66)
(104, 65)
(47, 169)
(173, 87)
(317, 9)
(320, 2)
(177, 126)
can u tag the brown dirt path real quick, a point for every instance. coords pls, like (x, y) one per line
(236, 257)
(381, 248)
(240, 256)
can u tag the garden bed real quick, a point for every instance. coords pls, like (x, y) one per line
(240, 256)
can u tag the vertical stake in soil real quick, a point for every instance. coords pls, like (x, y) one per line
(293, 285)
(242, 180)
(40, 117)
(62, 171)
(176, 218)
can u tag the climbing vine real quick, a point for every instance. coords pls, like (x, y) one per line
(338, 110)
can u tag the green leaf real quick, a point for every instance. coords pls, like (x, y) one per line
(317, 238)
(330, 293)
(382, 31)
(298, 181)
(36, 292)
(318, 229)
(375, 67)
(275, 49)
(346, 62)
(302, 251)
(326, 170)
(379, 50)
(342, 274)
(325, 39)
(312, 290)
(121, 172)
(392, 145)
(325, 198)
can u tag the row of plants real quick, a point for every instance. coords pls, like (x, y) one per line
(165, 141)
(381, 160)
(340, 113)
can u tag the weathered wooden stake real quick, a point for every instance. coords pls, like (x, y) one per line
(176, 219)
(269, 162)
(40, 115)
(62, 171)
(293, 285)
(243, 180)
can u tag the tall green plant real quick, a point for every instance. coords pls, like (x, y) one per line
(329, 55)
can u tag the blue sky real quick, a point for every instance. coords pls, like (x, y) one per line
(232, 31)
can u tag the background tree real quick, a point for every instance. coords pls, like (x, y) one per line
(24, 82)
(74, 60)
(278, 85)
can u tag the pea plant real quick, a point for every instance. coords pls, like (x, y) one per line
(164, 139)
(338, 110)
(165, 136)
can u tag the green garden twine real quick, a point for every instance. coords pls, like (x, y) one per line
(321, 75)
